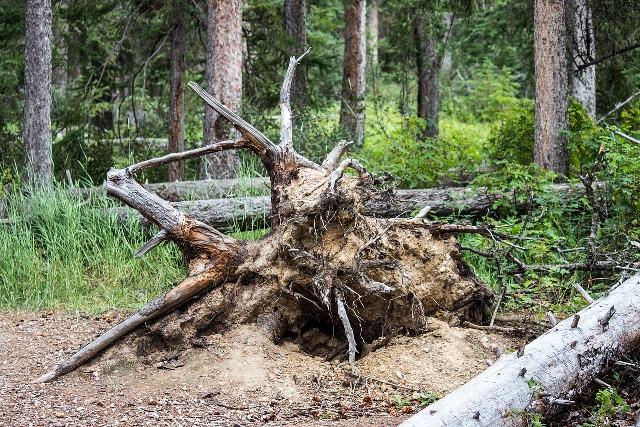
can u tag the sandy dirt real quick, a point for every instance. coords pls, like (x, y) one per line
(239, 378)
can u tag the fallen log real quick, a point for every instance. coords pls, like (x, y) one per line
(253, 212)
(548, 372)
(196, 190)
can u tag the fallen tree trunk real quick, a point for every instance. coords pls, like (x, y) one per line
(196, 190)
(253, 212)
(549, 372)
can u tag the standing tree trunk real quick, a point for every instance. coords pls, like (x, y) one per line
(223, 77)
(583, 51)
(428, 67)
(175, 142)
(372, 26)
(551, 86)
(36, 134)
(353, 75)
(295, 23)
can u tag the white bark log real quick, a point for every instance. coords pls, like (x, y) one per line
(553, 368)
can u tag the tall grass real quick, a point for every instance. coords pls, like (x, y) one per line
(60, 251)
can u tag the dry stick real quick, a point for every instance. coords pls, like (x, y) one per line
(189, 154)
(348, 330)
(190, 287)
(490, 328)
(156, 240)
(331, 161)
(618, 107)
(552, 319)
(584, 293)
(625, 136)
(286, 125)
(245, 128)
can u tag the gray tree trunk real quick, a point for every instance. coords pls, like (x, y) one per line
(36, 134)
(175, 142)
(295, 23)
(551, 86)
(372, 29)
(583, 51)
(428, 67)
(353, 75)
(223, 77)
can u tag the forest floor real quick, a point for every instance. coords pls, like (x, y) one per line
(239, 378)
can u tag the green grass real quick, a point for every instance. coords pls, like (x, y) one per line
(61, 252)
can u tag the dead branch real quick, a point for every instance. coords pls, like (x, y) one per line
(286, 125)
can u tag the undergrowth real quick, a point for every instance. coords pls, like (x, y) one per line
(63, 252)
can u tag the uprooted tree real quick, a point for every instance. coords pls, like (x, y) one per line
(323, 262)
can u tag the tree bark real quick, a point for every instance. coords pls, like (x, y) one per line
(36, 134)
(428, 67)
(551, 86)
(175, 143)
(295, 22)
(253, 212)
(548, 372)
(352, 105)
(223, 78)
(372, 27)
(583, 51)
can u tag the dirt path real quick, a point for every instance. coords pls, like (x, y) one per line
(239, 378)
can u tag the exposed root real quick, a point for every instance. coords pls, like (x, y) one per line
(348, 330)
(323, 255)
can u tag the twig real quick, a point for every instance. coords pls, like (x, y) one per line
(552, 319)
(348, 330)
(618, 106)
(491, 328)
(584, 293)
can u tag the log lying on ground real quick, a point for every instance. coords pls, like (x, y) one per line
(252, 212)
(196, 190)
(547, 373)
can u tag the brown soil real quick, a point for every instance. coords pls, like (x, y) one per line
(238, 378)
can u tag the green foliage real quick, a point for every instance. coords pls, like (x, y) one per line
(60, 251)
(609, 403)
(398, 148)
(426, 399)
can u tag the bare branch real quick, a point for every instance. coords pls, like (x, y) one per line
(190, 287)
(262, 145)
(189, 154)
(337, 174)
(348, 330)
(286, 124)
(334, 156)
(618, 107)
(162, 236)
